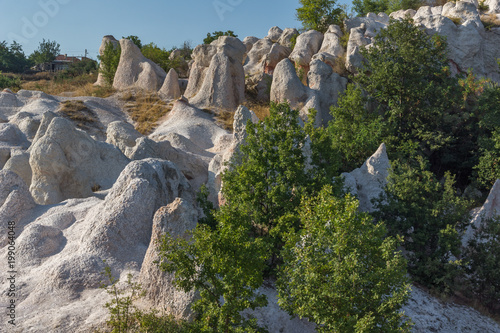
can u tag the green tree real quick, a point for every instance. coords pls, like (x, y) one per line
(225, 266)
(430, 216)
(109, 62)
(136, 40)
(355, 132)
(483, 259)
(215, 35)
(47, 51)
(268, 178)
(12, 58)
(363, 7)
(341, 271)
(319, 14)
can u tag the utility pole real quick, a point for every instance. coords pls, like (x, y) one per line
(86, 53)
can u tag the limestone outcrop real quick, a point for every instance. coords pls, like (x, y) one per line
(325, 86)
(105, 41)
(308, 44)
(170, 89)
(368, 181)
(222, 85)
(135, 70)
(67, 163)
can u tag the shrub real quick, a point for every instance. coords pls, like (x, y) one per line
(430, 216)
(11, 83)
(483, 259)
(341, 272)
(109, 62)
(47, 51)
(215, 35)
(319, 14)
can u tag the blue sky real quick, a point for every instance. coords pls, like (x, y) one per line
(80, 24)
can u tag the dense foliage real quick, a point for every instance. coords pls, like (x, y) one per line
(319, 14)
(216, 34)
(12, 58)
(363, 7)
(110, 59)
(47, 51)
(341, 271)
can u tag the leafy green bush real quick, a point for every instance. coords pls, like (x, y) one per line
(341, 271)
(7, 82)
(109, 62)
(136, 40)
(319, 14)
(215, 35)
(47, 51)
(483, 259)
(430, 216)
(12, 58)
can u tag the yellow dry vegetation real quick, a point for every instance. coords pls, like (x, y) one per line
(145, 108)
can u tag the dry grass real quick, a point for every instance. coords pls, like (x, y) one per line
(78, 112)
(145, 108)
(456, 20)
(225, 119)
(490, 21)
(261, 109)
(79, 86)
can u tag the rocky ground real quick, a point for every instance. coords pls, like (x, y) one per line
(79, 193)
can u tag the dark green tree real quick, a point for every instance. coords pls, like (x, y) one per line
(341, 271)
(225, 265)
(430, 216)
(319, 14)
(215, 35)
(12, 58)
(47, 51)
(109, 62)
(136, 40)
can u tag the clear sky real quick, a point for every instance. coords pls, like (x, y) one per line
(80, 24)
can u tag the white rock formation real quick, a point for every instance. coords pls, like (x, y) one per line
(135, 70)
(195, 125)
(287, 36)
(324, 89)
(274, 34)
(308, 44)
(218, 165)
(105, 40)
(223, 82)
(331, 48)
(174, 219)
(170, 89)
(257, 56)
(368, 181)
(67, 163)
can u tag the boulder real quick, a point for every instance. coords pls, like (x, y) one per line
(11, 136)
(202, 56)
(19, 162)
(490, 209)
(331, 49)
(287, 37)
(105, 40)
(249, 42)
(67, 163)
(191, 123)
(465, 11)
(369, 181)
(136, 147)
(276, 54)
(135, 70)
(308, 44)
(257, 56)
(176, 219)
(223, 87)
(274, 34)
(327, 86)
(15, 203)
(218, 164)
(120, 227)
(28, 123)
(401, 14)
(287, 87)
(170, 89)
(493, 6)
